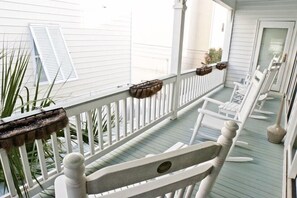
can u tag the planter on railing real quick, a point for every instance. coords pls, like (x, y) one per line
(221, 65)
(146, 89)
(201, 71)
(25, 130)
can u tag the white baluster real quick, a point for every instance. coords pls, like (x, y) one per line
(124, 115)
(26, 166)
(56, 152)
(109, 132)
(131, 115)
(170, 105)
(144, 112)
(154, 97)
(68, 139)
(90, 132)
(79, 134)
(163, 98)
(41, 158)
(7, 172)
(99, 128)
(117, 120)
(137, 113)
(149, 104)
(158, 105)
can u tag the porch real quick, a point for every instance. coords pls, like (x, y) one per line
(260, 178)
(115, 127)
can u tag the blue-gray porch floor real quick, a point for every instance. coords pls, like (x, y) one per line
(260, 178)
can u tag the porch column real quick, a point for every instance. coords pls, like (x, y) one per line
(176, 50)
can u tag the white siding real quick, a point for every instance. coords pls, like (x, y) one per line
(244, 32)
(101, 55)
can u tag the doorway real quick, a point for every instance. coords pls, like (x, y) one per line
(273, 39)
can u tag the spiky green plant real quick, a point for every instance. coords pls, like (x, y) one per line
(14, 64)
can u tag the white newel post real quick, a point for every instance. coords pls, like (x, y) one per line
(226, 139)
(176, 51)
(74, 171)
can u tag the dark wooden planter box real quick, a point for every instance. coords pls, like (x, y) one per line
(25, 130)
(146, 89)
(222, 65)
(203, 70)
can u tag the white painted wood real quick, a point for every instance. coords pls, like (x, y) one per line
(89, 117)
(99, 128)
(149, 104)
(148, 168)
(176, 50)
(74, 177)
(163, 99)
(87, 46)
(79, 134)
(131, 118)
(137, 113)
(240, 90)
(77, 109)
(245, 21)
(125, 120)
(67, 139)
(158, 104)
(7, 172)
(215, 120)
(41, 159)
(273, 24)
(56, 152)
(26, 166)
(154, 109)
(144, 112)
(109, 131)
(117, 120)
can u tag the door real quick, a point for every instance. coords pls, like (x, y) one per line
(273, 39)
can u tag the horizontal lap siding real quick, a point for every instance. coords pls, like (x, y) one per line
(101, 55)
(244, 32)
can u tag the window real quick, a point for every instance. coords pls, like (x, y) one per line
(51, 54)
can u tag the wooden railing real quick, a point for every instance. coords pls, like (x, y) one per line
(101, 124)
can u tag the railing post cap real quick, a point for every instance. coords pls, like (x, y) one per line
(229, 129)
(73, 160)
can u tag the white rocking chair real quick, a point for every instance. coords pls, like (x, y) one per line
(231, 107)
(215, 120)
(154, 176)
(239, 92)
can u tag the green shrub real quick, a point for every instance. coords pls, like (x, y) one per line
(213, 56)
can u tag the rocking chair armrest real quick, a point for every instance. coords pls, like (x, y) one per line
(217, 115)
(213, 101)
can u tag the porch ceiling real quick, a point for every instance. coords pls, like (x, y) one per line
(230, 4)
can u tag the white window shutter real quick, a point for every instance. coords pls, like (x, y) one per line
(62, 52)
(53, 52)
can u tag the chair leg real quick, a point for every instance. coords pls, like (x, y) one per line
(237, 159)
(196, 127)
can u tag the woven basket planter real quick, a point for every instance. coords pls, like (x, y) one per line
(203, 70)
(222, 65)
(146, 89)
(25, 130)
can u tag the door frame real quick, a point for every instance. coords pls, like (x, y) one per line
(275, 23)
